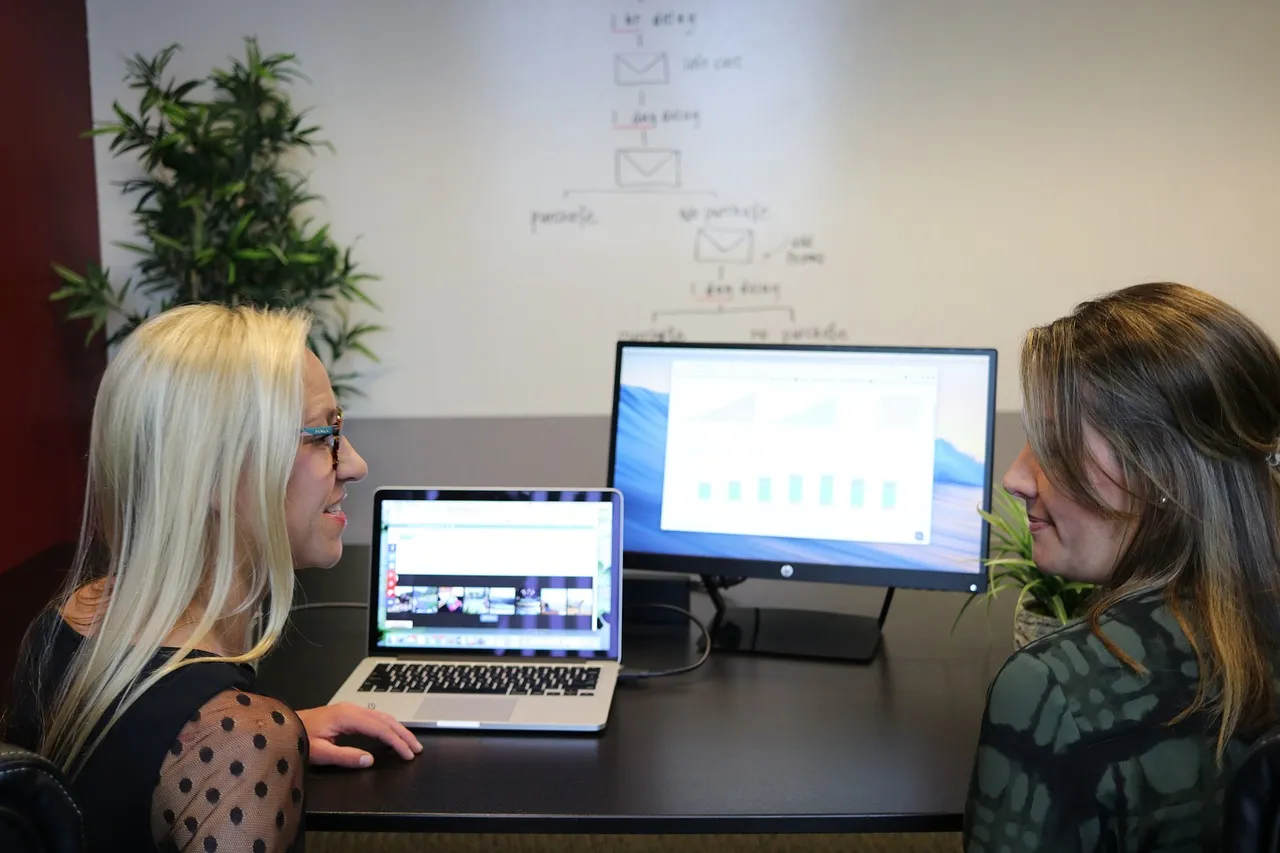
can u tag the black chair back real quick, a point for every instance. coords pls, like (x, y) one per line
(38, 814)
(1251, 803)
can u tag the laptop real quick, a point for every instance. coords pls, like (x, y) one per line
(493, 609)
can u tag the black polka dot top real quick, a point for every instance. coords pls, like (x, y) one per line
(201, 762)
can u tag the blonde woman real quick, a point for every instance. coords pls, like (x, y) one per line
(217, 466)
(1153, 419)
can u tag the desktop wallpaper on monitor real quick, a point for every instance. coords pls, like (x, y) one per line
(872, 460)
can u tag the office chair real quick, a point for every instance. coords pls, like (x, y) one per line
(1251, 803)
(38, 814)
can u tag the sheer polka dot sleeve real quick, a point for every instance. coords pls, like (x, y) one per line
(232, 780)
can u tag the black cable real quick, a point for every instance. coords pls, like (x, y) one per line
(697, 584)
(626, 676)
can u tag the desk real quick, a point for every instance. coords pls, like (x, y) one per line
(743, 744)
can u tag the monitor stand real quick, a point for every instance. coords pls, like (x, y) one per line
(794, 633)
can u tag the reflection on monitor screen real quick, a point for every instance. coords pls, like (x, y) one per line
(840, 463)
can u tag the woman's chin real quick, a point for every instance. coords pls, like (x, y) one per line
(320, 559)
(1043, 558)
(1051, 567)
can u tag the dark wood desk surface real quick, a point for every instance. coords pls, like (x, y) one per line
(744, 744)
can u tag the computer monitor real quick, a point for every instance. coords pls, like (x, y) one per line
(838, 464)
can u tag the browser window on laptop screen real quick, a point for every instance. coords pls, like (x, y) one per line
(498, 576)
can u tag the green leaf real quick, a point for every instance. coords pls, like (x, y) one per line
(103, 130)
(68, 275)
(1012, 561)
(166, 241)
(84, 311)
(185, 89)
(360, 294)
(356, 346)
(1058, 610)
(126, 121)
(238, 231)
(96, 326)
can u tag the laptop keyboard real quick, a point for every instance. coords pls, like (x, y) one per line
(482, 679)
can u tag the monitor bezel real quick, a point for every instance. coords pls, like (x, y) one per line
(976, 581)
(432, 493)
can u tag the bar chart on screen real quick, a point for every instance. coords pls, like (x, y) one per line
(841, 456)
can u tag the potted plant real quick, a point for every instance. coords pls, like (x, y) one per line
(218, 210)
(1045, 602)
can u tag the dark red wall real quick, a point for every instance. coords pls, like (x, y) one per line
(50, 213)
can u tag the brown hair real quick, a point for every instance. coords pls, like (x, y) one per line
(1185, 390)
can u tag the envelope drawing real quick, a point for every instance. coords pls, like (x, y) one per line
(641, 69)
(647, 167)
(724, 245)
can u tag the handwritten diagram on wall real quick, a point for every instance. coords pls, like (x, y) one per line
(744, 257)
(534, 180)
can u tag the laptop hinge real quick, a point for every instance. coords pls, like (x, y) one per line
(422, 657)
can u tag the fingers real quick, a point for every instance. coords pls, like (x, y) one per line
(380, 725)
(404, 734)
(323, 752)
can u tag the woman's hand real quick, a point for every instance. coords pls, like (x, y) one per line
(325, 724)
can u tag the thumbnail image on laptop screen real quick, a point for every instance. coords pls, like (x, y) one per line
(501, 576)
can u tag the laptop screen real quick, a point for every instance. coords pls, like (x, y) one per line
(497, 572)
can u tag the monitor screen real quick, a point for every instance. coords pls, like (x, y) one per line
(497, 571)
(846, 464)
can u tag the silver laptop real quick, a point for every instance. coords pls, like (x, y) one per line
(493, 608)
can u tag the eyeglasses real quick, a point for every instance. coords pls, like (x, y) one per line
(332, 432)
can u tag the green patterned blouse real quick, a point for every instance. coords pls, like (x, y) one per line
(1076, 752)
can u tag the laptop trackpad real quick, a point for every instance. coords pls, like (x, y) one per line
(461, 708)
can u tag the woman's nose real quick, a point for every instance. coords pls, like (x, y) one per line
(1020, 479)
(351, 465)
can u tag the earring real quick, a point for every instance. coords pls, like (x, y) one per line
(1164, 499)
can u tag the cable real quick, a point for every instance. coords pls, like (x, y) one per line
(698, 585)
(626, 676)
(319, 604)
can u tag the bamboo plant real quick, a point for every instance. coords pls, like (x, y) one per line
(218, 210)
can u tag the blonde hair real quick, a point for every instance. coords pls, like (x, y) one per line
(1185, 391)
(196, 422)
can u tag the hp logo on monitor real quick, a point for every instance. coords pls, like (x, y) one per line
(787, 571)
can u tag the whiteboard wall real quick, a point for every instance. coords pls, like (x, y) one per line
(534, 179)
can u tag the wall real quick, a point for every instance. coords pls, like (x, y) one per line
(47, 173)
(49, 197)
(963, 170)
